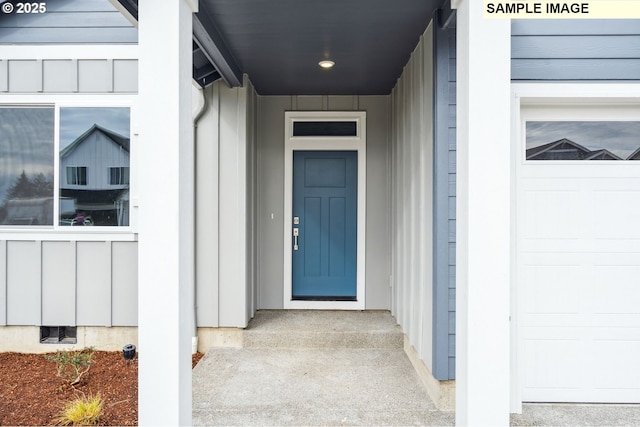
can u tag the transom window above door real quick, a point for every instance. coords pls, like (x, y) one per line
(325, 128)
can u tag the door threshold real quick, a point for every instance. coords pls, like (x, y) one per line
(322, 298)
(323, 305)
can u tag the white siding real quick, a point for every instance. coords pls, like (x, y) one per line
(412, 199)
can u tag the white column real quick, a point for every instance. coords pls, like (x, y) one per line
(165, 176)
(483, 217)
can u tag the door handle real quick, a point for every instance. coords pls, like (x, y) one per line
(295, 238)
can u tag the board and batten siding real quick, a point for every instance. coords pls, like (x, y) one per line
(69, 22)
(270, 209)
(68, 75)
(574, 50)
(68, 283)
(60, 280)
(226, 194)
(412, 200)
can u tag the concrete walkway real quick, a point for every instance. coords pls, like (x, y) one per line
(307, 368)
(312, 368)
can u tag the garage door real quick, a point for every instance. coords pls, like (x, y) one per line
(578, 267)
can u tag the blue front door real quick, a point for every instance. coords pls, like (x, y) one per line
(325, 202)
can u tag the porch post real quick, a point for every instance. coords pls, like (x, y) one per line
(483, 217)
(165, 176)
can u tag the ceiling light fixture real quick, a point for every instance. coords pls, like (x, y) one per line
(326, 64)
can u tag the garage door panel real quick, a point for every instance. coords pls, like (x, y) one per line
(550, 215)
(546, 245)
(550, 362)
(578, 274)
(540, 280)
(615, 289)
(614, 359)
(617, 247)
(615, 212)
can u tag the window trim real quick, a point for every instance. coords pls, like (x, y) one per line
(570, 110)
(57, 232)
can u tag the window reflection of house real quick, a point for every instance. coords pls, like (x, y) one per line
(94, 179)
(29, 211)
(565, 149)
(635, 155)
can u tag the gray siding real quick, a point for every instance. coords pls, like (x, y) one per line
(58, 283)
(271, 192)
(66, 22)
(226, 182)
(252, 200)
(68, 283)
(575, 49)
(93, 286)
(445, 204)
(124, 283)
(24, 276)
(69, 75)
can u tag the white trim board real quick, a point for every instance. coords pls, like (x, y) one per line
(357, 143)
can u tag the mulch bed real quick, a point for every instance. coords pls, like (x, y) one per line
(32, 394)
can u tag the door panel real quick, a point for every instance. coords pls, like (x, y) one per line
(325, 203)
(578, 269)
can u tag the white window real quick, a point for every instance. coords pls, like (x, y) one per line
(35, 182)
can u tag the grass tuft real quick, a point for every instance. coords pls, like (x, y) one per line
(83, 411)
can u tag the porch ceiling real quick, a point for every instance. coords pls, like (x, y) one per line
(279, 43)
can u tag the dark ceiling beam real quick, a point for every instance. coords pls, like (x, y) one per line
(131, 6)
(205, 75)
(208, 38)
(447, 16)
(210, 42)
